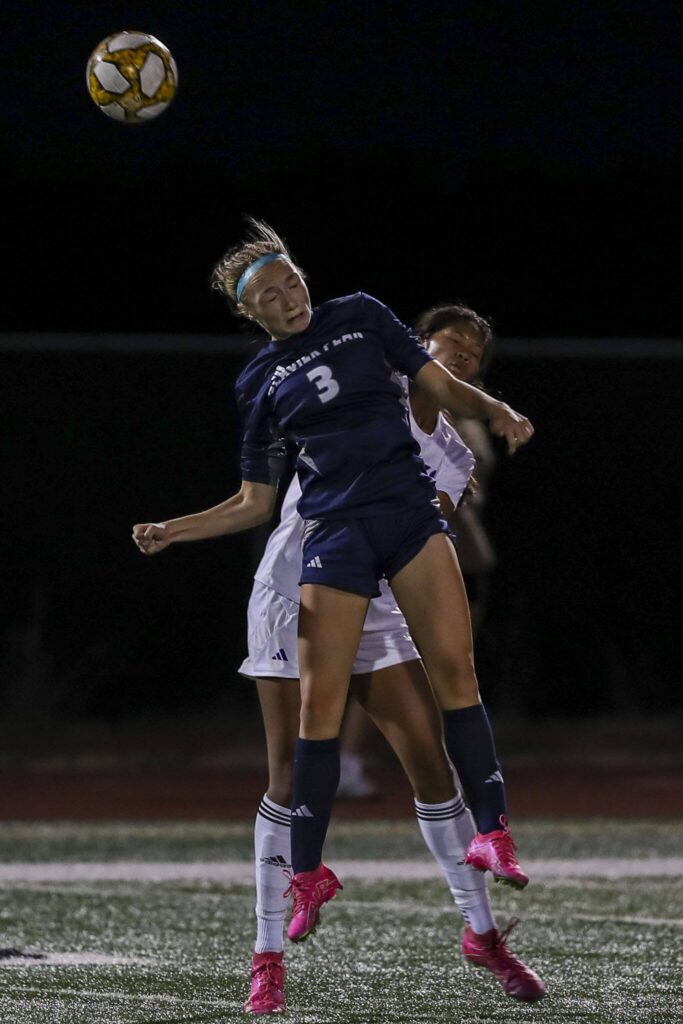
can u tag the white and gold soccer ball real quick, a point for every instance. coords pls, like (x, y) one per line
(132, 77)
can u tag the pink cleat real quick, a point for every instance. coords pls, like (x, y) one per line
(267, 984)
(311, 889)
(495, 852)
(489, 951)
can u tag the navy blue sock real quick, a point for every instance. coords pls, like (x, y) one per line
(470, 746)
(316, 777)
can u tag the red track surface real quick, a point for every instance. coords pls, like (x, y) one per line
(225, 794)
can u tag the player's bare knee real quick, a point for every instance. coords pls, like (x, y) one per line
(454, 678)
(318, 721)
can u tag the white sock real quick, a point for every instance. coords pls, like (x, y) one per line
(448, 829)
(273, 856)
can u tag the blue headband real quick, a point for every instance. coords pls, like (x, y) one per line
(246, 277)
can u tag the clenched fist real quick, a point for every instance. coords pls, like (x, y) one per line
(515, 428)
(151, 538)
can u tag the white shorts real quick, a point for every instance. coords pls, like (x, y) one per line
(272, 630)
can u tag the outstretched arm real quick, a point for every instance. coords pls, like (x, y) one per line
(463, 400)
(252, 505)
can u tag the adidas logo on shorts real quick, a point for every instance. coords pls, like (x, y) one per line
(314, 563)
(280, 656)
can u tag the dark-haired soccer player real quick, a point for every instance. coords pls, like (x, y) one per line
(389, 681)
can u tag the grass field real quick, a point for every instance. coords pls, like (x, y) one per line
(144, 924)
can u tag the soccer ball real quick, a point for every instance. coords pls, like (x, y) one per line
(132, 77)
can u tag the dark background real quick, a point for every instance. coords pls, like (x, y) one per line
(525, 158)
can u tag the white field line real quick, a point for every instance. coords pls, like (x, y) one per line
(76, 960)
(59, 993)
(412, 908)
(242, 872)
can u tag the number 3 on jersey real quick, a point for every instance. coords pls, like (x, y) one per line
(325, 383)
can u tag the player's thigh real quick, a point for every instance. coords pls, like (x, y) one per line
(400, 701)
(330, 625)
(431, 594)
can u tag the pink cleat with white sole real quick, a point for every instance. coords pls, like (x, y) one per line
(495, 852)
(267, 984)
(311, 889)
(489, 950)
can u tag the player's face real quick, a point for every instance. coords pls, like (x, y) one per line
(459, 347)
(277, 298)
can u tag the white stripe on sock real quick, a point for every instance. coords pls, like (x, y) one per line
(449, 809)
(447, 839)
(272, 854)
(275, 812)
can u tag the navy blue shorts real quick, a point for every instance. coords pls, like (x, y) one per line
(354, 554)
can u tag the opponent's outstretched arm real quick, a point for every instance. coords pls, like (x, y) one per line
(460, 399)
(251, 506)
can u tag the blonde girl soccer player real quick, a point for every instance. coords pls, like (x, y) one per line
(390, 683)
(326, 382)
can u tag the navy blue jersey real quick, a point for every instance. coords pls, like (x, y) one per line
(330, 390)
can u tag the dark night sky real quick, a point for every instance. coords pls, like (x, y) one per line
(525, 157)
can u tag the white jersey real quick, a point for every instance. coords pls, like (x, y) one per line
(449, 462)
(280, 566)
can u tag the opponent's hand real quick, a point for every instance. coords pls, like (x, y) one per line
(151, 538)
(515, 428)
(446, 506)
(470, 493)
